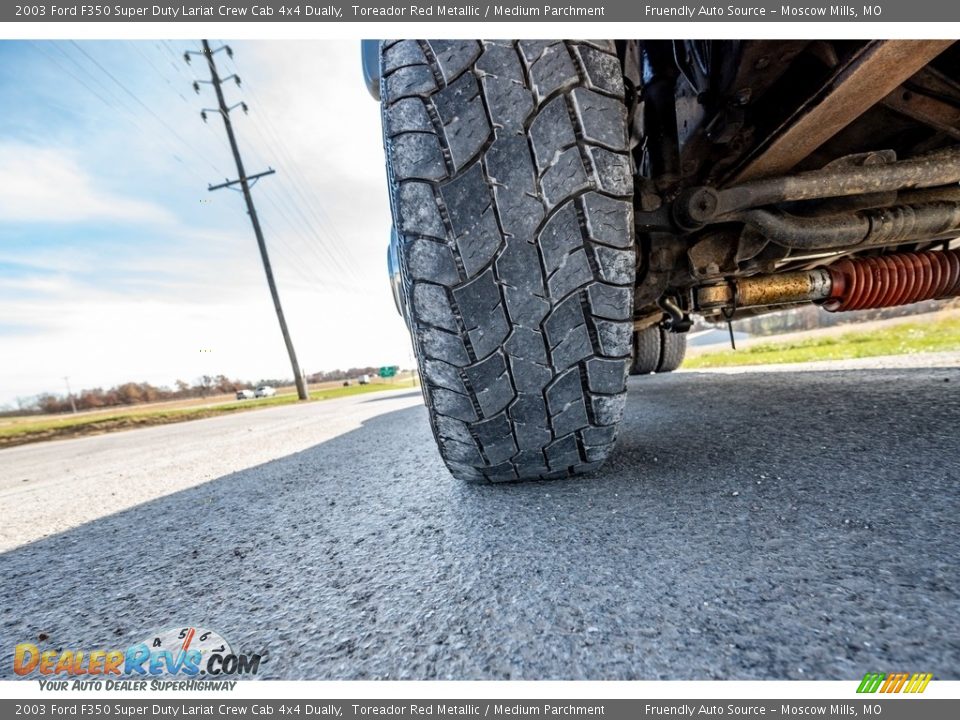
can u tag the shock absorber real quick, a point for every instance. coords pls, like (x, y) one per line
(848, 284)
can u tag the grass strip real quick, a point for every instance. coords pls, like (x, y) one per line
(901, 339)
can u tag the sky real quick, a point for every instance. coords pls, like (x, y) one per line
(116, 262)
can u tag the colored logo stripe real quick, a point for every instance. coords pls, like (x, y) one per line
(870, 683)
(918, 683)
(894, 682)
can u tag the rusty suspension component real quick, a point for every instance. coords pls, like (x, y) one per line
(698, 207)
(875, 227)
(766, 290)
(849, 284)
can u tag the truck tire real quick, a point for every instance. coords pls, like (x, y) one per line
(673, 348)
(511, 189)
(646, 351)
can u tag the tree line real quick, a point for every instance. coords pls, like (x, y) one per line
(136, 393)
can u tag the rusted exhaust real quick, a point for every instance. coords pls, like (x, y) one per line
(849, 284)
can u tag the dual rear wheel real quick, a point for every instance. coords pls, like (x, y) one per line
(657, 350)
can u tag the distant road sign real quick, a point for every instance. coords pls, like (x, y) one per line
(389, 371)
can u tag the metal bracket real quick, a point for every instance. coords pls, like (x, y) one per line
(254, 178)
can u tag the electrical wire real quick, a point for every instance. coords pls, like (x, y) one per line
(108, 97)
(298, 183)
(293, 217)
(286, 209)
(142, 104)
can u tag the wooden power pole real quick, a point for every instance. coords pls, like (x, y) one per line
(244, 181)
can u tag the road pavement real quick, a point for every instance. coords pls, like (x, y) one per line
(755, 524)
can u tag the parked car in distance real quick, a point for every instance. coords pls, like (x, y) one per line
(264, 391)
(245, 394)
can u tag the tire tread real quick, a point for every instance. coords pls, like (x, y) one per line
(512, 193)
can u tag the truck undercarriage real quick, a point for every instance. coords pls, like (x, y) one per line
(774, 173)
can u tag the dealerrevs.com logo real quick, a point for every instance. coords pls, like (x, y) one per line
(190, 652)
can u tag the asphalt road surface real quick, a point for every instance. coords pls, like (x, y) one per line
(751, 525)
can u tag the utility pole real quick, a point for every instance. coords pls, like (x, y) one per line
(245, 183)
(73, 405)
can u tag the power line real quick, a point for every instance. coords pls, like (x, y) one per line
(297, 221)
(291, 212)
(307, 240)
(220, 141)
(337, 259)
(91, 83)
(142, 104)
(108, 97)
(299, 263)
(298, 183)
(288, 211)
(39, 47)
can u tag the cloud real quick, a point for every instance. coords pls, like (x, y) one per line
(43, 184)
(112, 295)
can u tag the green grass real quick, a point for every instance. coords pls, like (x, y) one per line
(27, 431)
(907, 338)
